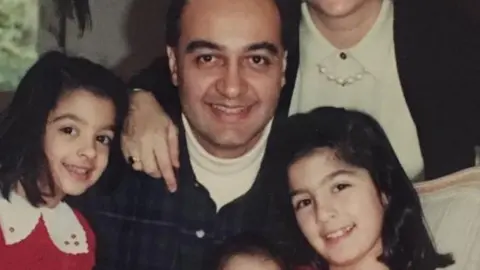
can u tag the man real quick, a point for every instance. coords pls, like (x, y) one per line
(407, 63)
(227, 59)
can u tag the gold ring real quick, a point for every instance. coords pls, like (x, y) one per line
(132, 159)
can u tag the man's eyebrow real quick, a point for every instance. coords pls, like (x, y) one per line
(201, 44)
(270, 47)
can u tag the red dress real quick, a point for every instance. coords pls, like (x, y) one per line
(37, 250)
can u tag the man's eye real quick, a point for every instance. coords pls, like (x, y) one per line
(259, 60)
(205, 58)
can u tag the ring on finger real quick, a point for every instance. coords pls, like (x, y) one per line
(132, 159)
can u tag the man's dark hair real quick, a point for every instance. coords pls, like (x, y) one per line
(289, 11)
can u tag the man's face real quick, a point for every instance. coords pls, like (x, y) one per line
(229, 66)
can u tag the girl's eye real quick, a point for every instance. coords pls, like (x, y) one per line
(68, 130)
(106, 140)
(302, 204)
(340, 187)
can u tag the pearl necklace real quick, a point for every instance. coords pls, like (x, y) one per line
(342, 81)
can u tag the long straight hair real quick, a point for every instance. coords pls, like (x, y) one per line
(22, 124)
(357, 139)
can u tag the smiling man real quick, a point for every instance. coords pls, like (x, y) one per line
(386, 58)
(228, 71)
(227, 60)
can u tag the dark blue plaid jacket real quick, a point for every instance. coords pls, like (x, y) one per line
(141, 226)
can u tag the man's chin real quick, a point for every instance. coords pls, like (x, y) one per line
(230, 145)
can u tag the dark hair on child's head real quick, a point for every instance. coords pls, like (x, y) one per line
(22, 124)
(358, 140)
(245, 244)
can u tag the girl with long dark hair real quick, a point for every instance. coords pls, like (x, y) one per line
(352, 201)
(56, 139)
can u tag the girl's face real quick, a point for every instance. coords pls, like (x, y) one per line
(337, 207)
(250, 262)
(77, 140)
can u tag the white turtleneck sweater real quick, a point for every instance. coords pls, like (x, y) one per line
(225, 179)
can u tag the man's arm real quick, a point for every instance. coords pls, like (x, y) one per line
(149, 140)
(156, 79)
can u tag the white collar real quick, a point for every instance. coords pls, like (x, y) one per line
(216, 165)
(18, 219)
(371, 51)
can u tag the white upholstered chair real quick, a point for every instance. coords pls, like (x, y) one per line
(451, 206)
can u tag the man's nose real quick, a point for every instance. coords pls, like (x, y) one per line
(231, 85)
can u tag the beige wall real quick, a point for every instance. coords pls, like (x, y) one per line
(126, 34)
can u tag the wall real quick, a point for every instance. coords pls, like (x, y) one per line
(126, 34)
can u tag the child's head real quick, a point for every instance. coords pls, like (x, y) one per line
(56, 135)
(247, 251)
(337, 205)
(351, 198)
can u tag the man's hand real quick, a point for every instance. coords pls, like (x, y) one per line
(150, 139)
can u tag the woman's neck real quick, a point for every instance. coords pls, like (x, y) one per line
(345, 32)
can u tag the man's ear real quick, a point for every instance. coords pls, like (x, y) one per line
(284, 68)
(172, 64)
